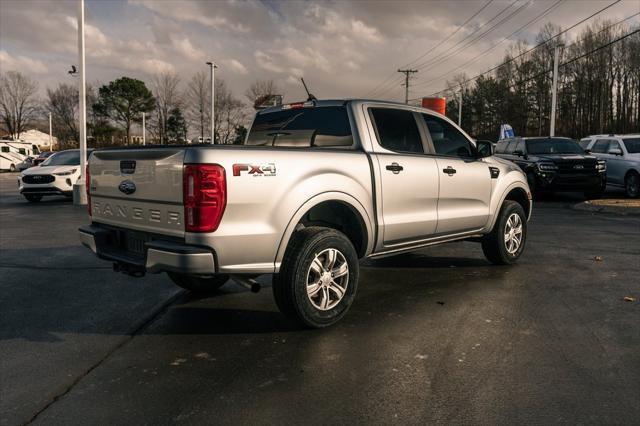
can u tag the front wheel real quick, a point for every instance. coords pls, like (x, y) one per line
(318, 278)
(197, 284)
(505, 243)
(632, 185)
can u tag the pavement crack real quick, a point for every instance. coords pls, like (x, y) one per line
(140, 326)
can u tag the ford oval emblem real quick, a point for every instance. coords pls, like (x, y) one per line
(127, 187)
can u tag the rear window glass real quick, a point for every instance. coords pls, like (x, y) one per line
(632, 145)
(397, 130)
(302, 127)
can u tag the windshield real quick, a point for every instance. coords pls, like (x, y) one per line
(64, 158)
(302, 127)
(553, 146)
(633, 145)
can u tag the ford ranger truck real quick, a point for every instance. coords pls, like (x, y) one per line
(316, 186)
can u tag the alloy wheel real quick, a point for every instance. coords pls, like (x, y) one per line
(513, 233)
(327, 279)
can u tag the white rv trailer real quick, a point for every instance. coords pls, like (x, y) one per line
(14, 152)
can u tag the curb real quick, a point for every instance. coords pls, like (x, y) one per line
(593, 208)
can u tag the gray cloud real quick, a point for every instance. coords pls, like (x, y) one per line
(342, 48)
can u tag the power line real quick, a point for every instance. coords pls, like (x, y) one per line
(450, 53)
(445, 56)
(475, 58)
(432, 49)
(570, 61)
(545, 42)
(450, 35)
(386, 81)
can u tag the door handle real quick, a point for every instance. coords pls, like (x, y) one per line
(395, 168)
(449, 170)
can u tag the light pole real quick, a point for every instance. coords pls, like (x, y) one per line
(460, 108)
(212, 67)
(144, 129)
(79, 193)
(50, 134)
(554, 89)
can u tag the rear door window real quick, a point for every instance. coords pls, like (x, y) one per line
(397, 130)
(302, 127)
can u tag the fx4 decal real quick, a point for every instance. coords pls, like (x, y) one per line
(266, 169)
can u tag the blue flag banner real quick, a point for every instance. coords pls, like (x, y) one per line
(506, 131)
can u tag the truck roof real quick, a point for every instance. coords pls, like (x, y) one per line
(326, 103)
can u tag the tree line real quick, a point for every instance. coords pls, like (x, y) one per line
(598, 86)
(173, 111)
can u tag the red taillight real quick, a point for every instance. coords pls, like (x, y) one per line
(87, 185)
(204, 196)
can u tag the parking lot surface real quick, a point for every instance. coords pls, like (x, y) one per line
(437, 336)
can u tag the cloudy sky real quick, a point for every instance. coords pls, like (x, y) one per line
(342, 48)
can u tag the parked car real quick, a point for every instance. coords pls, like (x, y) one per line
(555, 164)
(25, 164)
(43, 156)
(55, 176)
(317, 185)
(622, 154)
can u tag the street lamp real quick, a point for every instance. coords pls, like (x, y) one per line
(79, 193)
(212, 67)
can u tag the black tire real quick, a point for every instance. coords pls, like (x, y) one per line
(33, 198)
(493, 244)
(632, 185)
(290, 284)
(200, 285)
(12, 168)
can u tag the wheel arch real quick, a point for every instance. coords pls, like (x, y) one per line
(335, 210)
(517, 192)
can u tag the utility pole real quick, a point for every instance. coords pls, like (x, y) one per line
(406, 83)
(212, 67)
(79, 193)
(144, 129)
(460, 108)
(50, 134)
(554, 89)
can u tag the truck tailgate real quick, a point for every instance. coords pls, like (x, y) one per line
(138, 189)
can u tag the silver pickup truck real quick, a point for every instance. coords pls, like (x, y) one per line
(316, 186)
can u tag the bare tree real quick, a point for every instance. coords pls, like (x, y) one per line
(198, 97)
(230, 113)
(168, 97)
(18, 102)
(62, 102)
(260, 89)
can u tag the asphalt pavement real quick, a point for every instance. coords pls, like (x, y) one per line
(437, 336)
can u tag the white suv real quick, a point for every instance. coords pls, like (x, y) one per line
(622, 154)
(55, 176)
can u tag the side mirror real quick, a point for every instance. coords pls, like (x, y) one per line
(518, 153)
(615, 151)
(587, 151)
(484, 148)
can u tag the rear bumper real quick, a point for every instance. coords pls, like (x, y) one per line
(157, 256)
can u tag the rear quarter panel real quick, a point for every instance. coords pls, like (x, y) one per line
(263, 208)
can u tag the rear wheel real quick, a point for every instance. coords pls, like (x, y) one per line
(318, 278)
(632, 185)
(33, 198)
(197, 284)
(505, 243)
